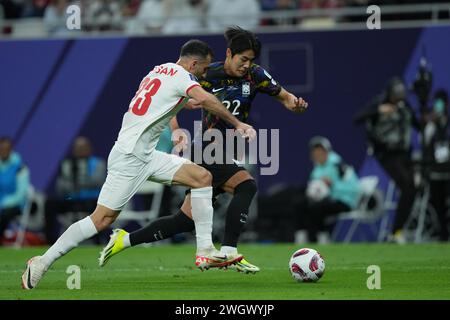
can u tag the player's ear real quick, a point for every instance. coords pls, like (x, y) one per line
(194, 63)
(228, 53)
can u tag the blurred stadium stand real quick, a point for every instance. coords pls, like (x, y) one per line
(43, 18)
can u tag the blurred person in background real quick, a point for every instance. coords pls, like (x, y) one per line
(437, 158)
(389, 121)
(78, 184)
(224, 13)
(319, 4)
(35, 8)
(14, 183)
(104, 15)
(130, 7)
(55, 17)
(150, 18)
(279, 6)
(316, 20)
(333, 188)
(184, 16)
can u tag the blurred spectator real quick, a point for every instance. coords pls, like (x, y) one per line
(104, 15)
(267, 5)
(78, 185)
(35, 8)
(322, 20)
(319, 4)
(280, 5)
(224, 13)
(437, 158)
(184, 16)
(55, 17)
(130, 8)
(389, 121)
(14, 183)
(150, 18)
(333, 188)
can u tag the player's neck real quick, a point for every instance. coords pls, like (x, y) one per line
(182, 63)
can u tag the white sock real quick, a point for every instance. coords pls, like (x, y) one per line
(228, 250)
(126, 240)
(76, 233)
(202, 214)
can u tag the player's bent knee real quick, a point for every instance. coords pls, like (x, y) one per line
(204, 179)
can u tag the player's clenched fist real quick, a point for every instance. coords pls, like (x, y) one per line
(246, 130)
(300, 105)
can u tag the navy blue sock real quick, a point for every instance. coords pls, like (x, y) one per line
(237, 212)
(162, 228)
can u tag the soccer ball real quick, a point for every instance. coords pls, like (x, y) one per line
(306, 265)
(317, 190)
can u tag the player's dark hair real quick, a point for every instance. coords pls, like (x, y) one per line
(240, 40)
(197, 48)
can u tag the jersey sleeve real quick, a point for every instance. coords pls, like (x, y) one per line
(185, 82)
(264, 81)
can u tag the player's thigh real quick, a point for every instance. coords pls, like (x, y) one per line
(126, 174)
(172, 169)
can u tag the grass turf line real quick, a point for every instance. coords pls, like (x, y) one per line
(168, 272)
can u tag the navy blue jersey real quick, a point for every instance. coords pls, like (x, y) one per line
(236, 94)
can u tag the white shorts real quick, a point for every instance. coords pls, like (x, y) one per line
(127, 173)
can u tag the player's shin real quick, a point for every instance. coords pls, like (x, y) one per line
(202, 214)
(162, 228)
(236, 216)
(76, 233)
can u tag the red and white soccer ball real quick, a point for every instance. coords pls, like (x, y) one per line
(307, 265)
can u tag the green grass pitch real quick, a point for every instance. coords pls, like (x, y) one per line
(168, 272)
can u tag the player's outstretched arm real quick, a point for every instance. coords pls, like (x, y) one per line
(290, 101)
(213, 105)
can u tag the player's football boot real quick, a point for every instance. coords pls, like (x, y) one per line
(245, 267)
(114, 246)
(33, 273)
(399, 237)
(216, 259)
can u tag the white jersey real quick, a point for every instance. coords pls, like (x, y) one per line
(161, 94)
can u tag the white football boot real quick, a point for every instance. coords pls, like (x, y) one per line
(33, 274)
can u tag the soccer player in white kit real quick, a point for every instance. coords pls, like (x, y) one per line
(133, 160)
